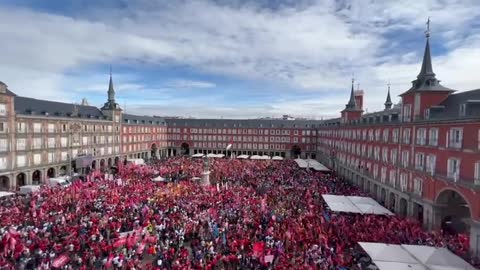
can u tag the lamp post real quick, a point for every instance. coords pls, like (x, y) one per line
(73, 129)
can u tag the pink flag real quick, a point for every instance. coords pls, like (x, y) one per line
(60, 261)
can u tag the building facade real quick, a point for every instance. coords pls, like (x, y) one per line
(421, 157)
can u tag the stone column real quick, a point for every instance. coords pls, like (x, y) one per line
(475, 237)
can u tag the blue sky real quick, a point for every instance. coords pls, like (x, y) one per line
(233, 59)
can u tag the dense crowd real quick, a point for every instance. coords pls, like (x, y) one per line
(255, 215)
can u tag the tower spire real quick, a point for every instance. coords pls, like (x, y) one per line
(352, 103)
(388, 102)
(427, 71)
(111, 91)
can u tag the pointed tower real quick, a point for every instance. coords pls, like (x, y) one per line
(111, 108)
(351, 111)
(426, 90)
(388, 103)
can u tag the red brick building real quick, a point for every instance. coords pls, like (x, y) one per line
(420, 158)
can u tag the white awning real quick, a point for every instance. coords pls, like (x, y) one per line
(393, 257)
(243, 156)
(220, 156)
(355, 204)
(255, 157)
(317, 166)
(199, 155)
(6, 194)
(277, 158)
(265, 157)
(211, 155)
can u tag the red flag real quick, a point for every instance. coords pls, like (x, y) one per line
(60, 261)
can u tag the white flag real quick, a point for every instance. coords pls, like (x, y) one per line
(229, 146)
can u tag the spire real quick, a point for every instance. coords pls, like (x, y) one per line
(427, 71)
(426, 80)
(388, 102)
(351, 103)
(111, 91)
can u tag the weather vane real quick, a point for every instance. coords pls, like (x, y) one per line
(427, 32)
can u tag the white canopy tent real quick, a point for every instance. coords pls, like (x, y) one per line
(220, 156)
(395, 257)
(277, 158)
(265, 157)
(317, 166)
(6, 194)
(243, 156)
(256, 157)
(355, 204)
(301, 163)
(211, 155)
(198, 155)
(158, 179)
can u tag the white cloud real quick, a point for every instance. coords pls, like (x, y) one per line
(313, 47)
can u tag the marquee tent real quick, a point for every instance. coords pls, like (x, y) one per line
(277, 158)
(243, 156)
(396, 257)
(255, 157)
(355, 204)
(199, 155)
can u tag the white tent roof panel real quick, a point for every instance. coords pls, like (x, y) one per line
(394, 257)
(355, 204)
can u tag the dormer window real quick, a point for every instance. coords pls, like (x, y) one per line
(463, 109)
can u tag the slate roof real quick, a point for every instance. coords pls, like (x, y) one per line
(139, 119)
(243, 123)
(31, 106)
(450, 107)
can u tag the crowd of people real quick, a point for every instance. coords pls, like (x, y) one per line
(255, 215)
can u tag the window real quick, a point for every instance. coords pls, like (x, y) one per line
(405, 158)
(431, 163)
(3, 127)
(463, 109)
(21, 144)
(37, 127)
(85, 140)
(3, 109)
(433, 137)
(51, 157)
(383, 174)
(406, 136)
(395, 135)
(63, 141)
(455, 137)
(21, 161)
(37, 143)
(393, 156)
(21, 127)
(403, 182)
(421, 136)
(419, 161)
(418, 186)
(63, 156)
(37, 159)
(51, 128)
(3, 163)
(407, 112)
(453, 169)
(392, 178)
(3, 145)
(385, 135)
(51, 142)
(427, 113)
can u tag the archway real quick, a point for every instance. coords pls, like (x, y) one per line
(4, 182)
(36, 177)
(418, 211)
(51, 172)
(383, 196)
(94, 165)
(454, 212)
(63, 170)
(403, 207)
(21, 179)
(153, 151)
(375, 191)
(109, 162)
(102, 164)
(117, 160)
(296, 151)
(392, 201)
